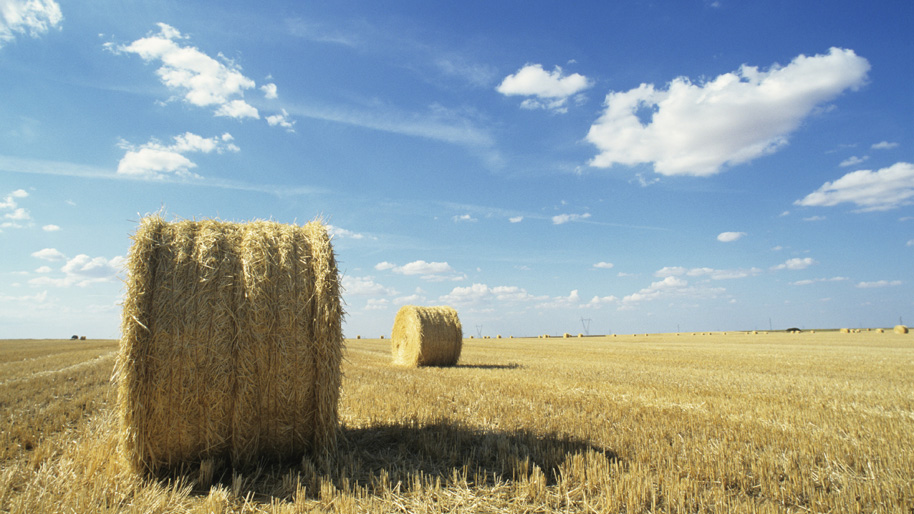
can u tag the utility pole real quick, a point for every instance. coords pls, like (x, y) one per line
(586, 324)
(479, 331)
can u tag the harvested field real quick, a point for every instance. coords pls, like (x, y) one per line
(820, 422)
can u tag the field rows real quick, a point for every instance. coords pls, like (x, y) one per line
(663, 423)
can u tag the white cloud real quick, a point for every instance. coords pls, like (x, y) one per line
(376, 304)
(343, 233)
(695, 129)
(49, 254)
(81, 270)
(156, 160)
(269, 91)
(550, 89)
(50, 228)
(711, 273)
(910, 243)
(433, 271)
(463, 217)
(560, 302)
(882, 190)
(282, 120)
(204, 81)
(43, 269)
(817, 280)
(879, 283)
(16, 213)
(365, 286)
(516, 219)
(853, 161)
(729, 237)
(32, 17)
(603, 265)
(814, 218)
(794, 264)
(884, 145)
(477, 294)
(598, 301)
(565, 218)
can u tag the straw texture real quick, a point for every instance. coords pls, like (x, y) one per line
(231, 343)
(426, 336)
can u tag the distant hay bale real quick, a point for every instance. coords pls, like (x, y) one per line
(901, 329)
(880, 331)
(231, 343)
(426, 336)
(566, 335)
(845, 331)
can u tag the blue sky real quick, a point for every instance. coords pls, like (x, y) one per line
(646, 166)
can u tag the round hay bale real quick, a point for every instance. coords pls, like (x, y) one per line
(845, 331)
(901, 329)
(231, 343)
(880, 331)
(426, 336)
(566, 335)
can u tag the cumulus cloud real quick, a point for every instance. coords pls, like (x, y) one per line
(883, 145)
(14, 213)
(516, 219)
(80, 271)
(432, 271)
(49, 254)
(729, 237)
(156, 160)
(565, 218)
(365, 286)
(203, 81)
(695, 129)
(32, 17)
(479, 293)
(50, 228)
(282, 120)
(269, 91)
(881, 190)
(549, 90)
(794, 264)
(603, 265)
(879, 283)
(338, 232)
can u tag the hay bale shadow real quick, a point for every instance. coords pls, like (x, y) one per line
(512, 365)
(380, 457)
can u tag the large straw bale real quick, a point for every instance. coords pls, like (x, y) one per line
(426, 336)
(901, 329)
(231, 343)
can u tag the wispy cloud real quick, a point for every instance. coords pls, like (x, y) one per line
(884, 145)
(881, 190)
(561, 219)
(853, 161)
(879, 283)
(696, 129)
(794, 264)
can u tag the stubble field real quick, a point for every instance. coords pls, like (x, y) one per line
(809, 422)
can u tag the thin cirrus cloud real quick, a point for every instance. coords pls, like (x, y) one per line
(696, 129)
(32, 17)
(155, 160)
(203, 81)
(881, 190)
(561, 219)
(546, 90)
